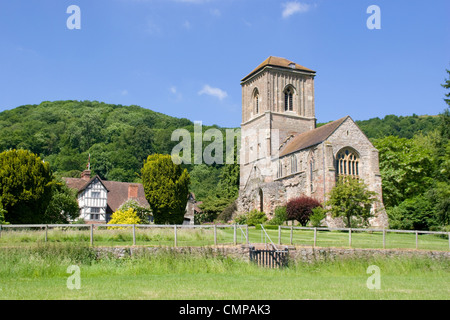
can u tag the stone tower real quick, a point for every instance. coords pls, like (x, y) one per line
(277, 103)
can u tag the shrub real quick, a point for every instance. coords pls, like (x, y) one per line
(251, 218)
(128, 216)
(256, 217)
(300, 209)
(279, 217)
(227, 213)
(318, 214)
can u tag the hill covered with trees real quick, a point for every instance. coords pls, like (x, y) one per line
(119, 138)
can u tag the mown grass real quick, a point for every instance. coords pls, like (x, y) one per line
(40, 272)
(224, 235)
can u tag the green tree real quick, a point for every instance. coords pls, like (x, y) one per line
(25, 186)
(351, 200)
(416, 213)
(406, 168)
(446, 85)
(63, 206)
(166, 188)
(2, 213)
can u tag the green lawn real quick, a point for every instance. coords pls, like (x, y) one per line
(40, 272)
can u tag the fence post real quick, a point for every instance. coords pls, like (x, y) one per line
(350, 237)
(234, 235)
(315, 236)
(279, 234)
(134, 234)
(417, 240)
(449, 240)
(175, 235)
(46, 233)
(292, 231)
(0, 231)
(92, 234)
(215, 235)
(246, 231)
(384, 238)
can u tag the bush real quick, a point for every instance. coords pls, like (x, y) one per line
(300, 209)
(227, 213)
(256, 217)
(318, 214)
(128, 216)
(279, 217)
(251, 218)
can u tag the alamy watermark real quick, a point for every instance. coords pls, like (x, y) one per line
(374, 21)
(208, 147)
(374, 281)
(74, 20)
(74, 281)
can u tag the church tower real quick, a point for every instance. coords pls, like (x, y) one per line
(277, 103)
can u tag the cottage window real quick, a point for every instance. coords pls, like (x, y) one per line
(347, 163)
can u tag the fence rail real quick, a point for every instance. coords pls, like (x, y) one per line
(384, 233)
(176, 235)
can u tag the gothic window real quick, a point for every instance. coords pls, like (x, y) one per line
(293, 163)
(256, 100)
(280, 169)
(311, 174)
(288, 99)
(347, 163)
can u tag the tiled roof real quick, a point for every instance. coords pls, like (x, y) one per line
(311, 138)
(278, 62)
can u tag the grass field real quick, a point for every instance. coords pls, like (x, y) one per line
(224, 235)
(40, 272)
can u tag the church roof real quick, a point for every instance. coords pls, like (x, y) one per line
(278, 62)
(311, 138)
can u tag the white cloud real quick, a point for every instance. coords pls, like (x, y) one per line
(292, 7)
(215, 92)
(187, 25)
(215, 12)
(175, 94)
(124, 92)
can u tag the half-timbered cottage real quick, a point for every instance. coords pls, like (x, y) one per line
(98, 199)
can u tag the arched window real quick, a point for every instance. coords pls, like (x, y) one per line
(256, 100)
(347, 163)
(288, 99)
(293, 163)
(261, 200)
(280, 169)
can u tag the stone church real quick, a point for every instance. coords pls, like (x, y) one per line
(284, 154)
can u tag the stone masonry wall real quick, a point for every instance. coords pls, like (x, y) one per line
(298, 254)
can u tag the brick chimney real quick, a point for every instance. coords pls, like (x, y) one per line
(133, 191)
(86, 175)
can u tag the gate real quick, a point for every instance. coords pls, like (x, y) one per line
(269, 258)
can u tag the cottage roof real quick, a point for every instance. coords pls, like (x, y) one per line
(118, 194)
(278, 62)
(310, 138)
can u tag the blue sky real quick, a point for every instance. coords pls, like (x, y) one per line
(185, 58)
